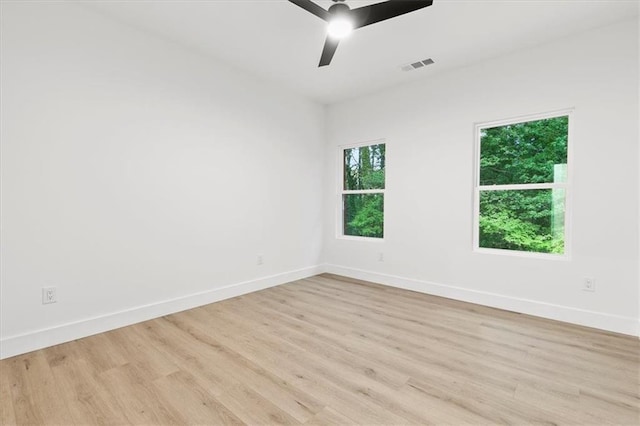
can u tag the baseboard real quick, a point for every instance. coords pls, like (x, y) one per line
(608, 322)
(23, 343)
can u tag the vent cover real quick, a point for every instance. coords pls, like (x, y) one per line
(416, 65)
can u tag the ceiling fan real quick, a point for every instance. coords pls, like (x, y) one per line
(342, 19)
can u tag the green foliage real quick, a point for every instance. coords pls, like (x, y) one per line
(521, 220)
(364, 168)
(526, 220)
(364, 215)
(523, 152)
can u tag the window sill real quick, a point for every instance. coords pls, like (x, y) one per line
(527, 254)
(355, 238)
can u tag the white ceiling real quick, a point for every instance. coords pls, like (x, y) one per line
(279, 41)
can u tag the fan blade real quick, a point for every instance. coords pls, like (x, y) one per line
(310, 6)
(330, 46)
(373, 13)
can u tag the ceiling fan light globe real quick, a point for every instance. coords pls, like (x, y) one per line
(339, 27)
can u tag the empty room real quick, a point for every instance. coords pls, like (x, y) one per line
(320, 212)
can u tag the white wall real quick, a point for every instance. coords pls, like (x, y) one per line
(428, 206)
(140, 178)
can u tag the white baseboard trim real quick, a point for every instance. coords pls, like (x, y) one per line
(23, 343)
(603, 321)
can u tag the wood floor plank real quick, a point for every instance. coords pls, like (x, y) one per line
(99, 351)
(356, 344)
(142, 402)
(34, 391)
(88, 402)
(254, 409)
(193, 356)
(7, 413)
(338, 354)
(279, 392)
(329, 416)
(188, 396)
(406, 333)
(331, 350)
(23, 398)
(286, 361)
(129, 343)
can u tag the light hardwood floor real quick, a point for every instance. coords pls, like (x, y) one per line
(328, 350)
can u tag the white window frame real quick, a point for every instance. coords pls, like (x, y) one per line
(341, 192)
(565, 185)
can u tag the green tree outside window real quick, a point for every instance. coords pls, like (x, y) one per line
(363, 191)
(522, 186)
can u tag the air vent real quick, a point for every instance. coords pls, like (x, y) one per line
(416, 65)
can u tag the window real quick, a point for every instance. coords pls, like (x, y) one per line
(362, 191)
(521, 185)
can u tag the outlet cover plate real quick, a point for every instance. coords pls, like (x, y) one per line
(589, 284)
(49, 295)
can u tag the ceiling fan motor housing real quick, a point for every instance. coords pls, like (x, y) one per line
(339, 9)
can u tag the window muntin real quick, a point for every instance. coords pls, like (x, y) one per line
(522, 185)
(362, 191)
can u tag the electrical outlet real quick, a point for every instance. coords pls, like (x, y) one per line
(589, 284)
(49, 295)
(381, 257)
(260, 260)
